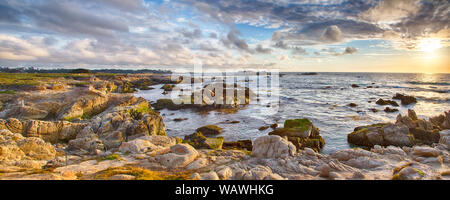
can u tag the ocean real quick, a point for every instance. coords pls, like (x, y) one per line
(322, 98)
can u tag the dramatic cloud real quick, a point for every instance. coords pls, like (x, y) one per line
(221, 33)
(332, 34)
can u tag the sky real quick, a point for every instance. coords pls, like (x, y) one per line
(287, 35)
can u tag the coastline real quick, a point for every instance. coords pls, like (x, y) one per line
(93, 127)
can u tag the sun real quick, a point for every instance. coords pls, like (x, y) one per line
(429, 44)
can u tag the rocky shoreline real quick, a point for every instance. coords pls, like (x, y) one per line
(92, 127)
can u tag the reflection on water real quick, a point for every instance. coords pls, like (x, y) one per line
(321, 98)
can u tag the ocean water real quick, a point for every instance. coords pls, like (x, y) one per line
(323, 99)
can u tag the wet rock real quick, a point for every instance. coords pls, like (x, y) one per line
(274, 126)
(386, 102)
(373, 110)
(302, 133)
(390, 110)
(199, 141)
(405, 100)
(352, 104)
(262, 128)
(355, 86)
(209, 130)
(272, 146)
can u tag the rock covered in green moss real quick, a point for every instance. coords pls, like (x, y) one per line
(302, 133)
(407, 131)
(199, 141)
(209, 130)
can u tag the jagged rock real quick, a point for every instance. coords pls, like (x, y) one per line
(386, 102)
(272, 146)
(405, 100)
(445, 138)
(180, 155)
(24, 152)
(407, 131)
(225, 173)
(122, 177)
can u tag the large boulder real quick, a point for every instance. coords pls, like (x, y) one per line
(199, 141)
(302, 133)
(272, 146)
(179, 155)
(209, 130)
(408, 130)
(405, 99)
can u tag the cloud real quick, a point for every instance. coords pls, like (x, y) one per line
(260, 49)
(232, 40)
(13, 48)
(299, 51)
(332, 34)
(390, 10)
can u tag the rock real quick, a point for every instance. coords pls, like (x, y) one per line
(445, 138)
(262, 128)
(209, 176)
(199, 141)
(373, 110)
(352, 104)
(180, 155)
(137, 146)
(405, 100)
(240, 144)
(197, 164)
(425, 151)
(122, 177)
(409, 173)
(355, 86)
(36, 148)
(225, 173)
(310, 152)
(195, 176)
(209, 130)
(302, 133)
(397, 135)
(274, 126)
(386, 102)
(272, 146)
(390, 110)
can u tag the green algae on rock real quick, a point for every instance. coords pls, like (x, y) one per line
(302, 133)
(199, 141)
(210, 130)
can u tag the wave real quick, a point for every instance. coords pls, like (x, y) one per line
(427, 83)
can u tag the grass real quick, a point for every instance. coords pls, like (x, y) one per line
(8, 92)
(142, 174)
(111, 157)
(18, 79)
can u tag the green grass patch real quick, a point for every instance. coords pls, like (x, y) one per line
(8, 92)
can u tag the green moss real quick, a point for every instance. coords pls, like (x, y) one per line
(199, 141)
(72, 118)
(8, 92)
(301, 124)
(141, 110)
(420, 172)
(112, 157)
(142, 174)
